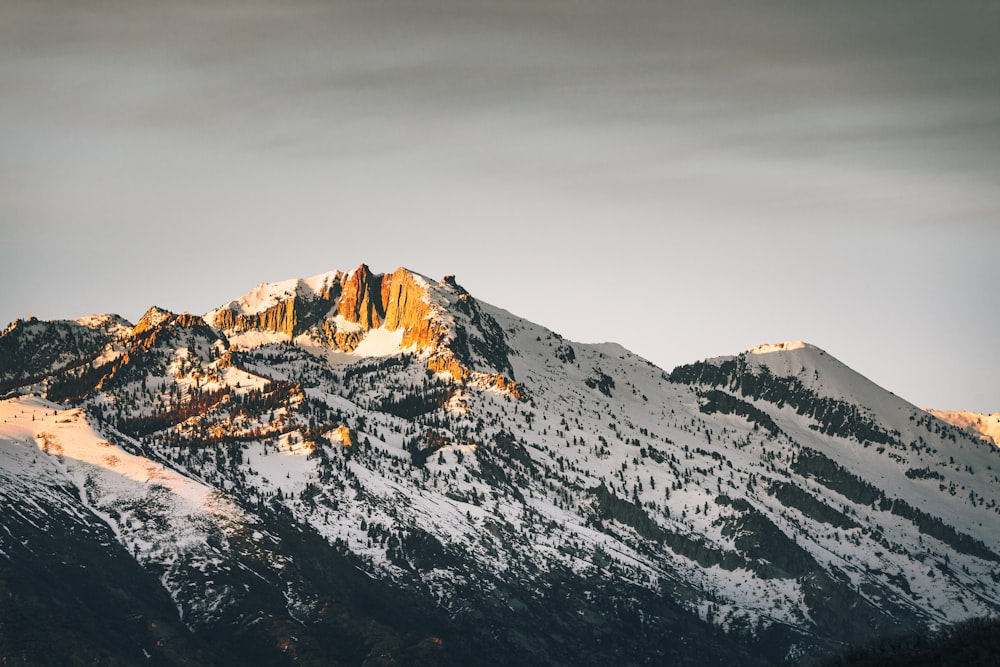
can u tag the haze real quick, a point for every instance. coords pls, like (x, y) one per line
(687, 179)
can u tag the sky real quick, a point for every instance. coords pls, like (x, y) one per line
(688, 179)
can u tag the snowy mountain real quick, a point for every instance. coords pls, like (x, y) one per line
(379, 468)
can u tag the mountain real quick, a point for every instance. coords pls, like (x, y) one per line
(362, 468)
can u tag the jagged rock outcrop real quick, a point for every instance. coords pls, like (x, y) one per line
(407, 306)
(348, 438)
(361, 298)
(157, 328)
(158, 322)
(291, 317)
(345, 340)
(443, 322)
(151, 319)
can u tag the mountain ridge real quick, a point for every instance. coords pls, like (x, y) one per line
(986, 426)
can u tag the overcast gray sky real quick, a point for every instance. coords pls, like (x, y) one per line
(686, 178)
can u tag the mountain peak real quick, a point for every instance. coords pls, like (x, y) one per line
(151, 319)
(333, 313)
(104, 320)
(785, 346)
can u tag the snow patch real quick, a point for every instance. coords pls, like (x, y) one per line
(380, 343)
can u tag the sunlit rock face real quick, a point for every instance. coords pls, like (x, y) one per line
(290, 314)
(361, 298)
(440, 322)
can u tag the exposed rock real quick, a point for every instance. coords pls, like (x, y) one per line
(503, 384)
(156, 326)
(601, 381)
(565, 353)
(446, 363)
(156, 321)
(407, 306)
(345, 341)
(152, 318)
(403, 302)
(346, 435)
(290, 317)
(361, 298)
(442, 322)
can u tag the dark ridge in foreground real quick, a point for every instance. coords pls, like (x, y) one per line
(971, 643)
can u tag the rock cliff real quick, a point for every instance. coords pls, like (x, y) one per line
(291, 317)
(441, 322)
(361, 298)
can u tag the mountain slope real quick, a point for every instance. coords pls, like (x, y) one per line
(986, 426)
(31, 350)
(534, 500)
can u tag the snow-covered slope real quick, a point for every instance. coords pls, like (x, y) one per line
(986, 426)
(31, 349)
(823, 374)
(268, 295)
(765, 506)
(166, 520)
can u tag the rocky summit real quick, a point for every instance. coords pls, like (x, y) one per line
(379, 469)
